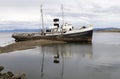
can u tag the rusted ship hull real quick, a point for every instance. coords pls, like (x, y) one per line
(85, 36)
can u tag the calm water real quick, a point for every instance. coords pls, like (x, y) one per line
(100, 60)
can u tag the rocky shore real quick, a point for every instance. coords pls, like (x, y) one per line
(27, 45)
(10, 75)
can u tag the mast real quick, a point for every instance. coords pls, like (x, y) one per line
(43, 30)
(62, 14)
(62, 19)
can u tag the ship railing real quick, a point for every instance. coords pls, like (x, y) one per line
(25, 34)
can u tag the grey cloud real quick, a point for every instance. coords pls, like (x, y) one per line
(73, 14)
(19, 25)
(29, 3)
(19, 3)
(114, 9)
(76, 9)
(110, 10)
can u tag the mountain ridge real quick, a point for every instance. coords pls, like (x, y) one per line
(38, 30)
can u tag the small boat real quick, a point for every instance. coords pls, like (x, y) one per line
(66, 32)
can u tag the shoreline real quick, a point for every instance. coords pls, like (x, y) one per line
(107, 31)
(27, 45)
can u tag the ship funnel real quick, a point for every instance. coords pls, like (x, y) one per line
(56, 22)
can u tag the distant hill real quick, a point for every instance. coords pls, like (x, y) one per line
(111, 29)
(38, 30)
(21, 30)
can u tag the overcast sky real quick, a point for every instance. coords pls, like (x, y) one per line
(100, 13)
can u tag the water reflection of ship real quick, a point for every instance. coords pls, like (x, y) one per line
(61, 52)
(42, 67)
(70, 50)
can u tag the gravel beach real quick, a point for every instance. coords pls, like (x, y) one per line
(27, 45)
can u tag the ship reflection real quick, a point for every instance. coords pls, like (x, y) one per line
(61, 52)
